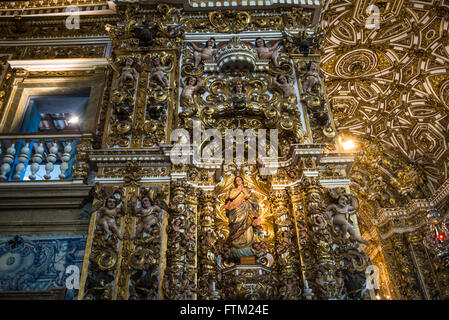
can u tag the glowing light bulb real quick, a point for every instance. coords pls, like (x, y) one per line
(74, 119)
(348, 145)
(441, 236)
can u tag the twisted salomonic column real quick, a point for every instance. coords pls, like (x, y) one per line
(286, 251)
(207, 251)
(324, 284)
(392, 268)
(179, 279)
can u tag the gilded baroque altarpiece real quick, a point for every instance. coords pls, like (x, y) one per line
(206, 228)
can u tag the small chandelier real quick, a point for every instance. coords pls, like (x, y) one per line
(437, 239)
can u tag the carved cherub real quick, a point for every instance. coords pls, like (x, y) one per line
(205, 53)
(127, 73)
(150, 215)
(303, 235)
(259, 249)
(289, 288)
(166, 284)
(190, 86)
(158, 72)
(285, 242)
(312, 68)
(188, 288)
(189, 292)
(178, 225)
(311, 82)
(265, 52)
(209, 239)
(177, 230)
(107, 216)
(190, 234)
(319, 285)
(337, 213)
(225, 251)
(340, 282)
(285, 83)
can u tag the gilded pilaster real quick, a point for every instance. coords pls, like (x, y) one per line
(101, 262)
(424, 268)
(121, 290)
(392, 268)
(81, 168)
(409, 283)
(139, 110)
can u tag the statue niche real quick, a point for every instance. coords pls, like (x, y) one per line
(245, 237)
(243, 244)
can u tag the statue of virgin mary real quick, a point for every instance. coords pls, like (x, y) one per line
(242, 210)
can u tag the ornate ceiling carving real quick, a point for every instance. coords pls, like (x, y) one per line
(392, 83)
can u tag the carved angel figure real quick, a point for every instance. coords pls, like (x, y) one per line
(188, 288)
(209, 239)
(205, 53)
(311, 80)
(190, 234)
(309, 84)
(190, 86)
(150, 215)
(177, 230)
(259, 249)
(265, 52)
(158, 72)
(285, 83)
(288, 290)
(319, 285)
(107, 215)
(284, 243)
(340, 282)
(303, 235)
(339, 215)
(127, 73)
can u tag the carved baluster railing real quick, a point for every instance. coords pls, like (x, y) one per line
(29, 150)
(65, 159)
(8, 159)
(22, 160)
(51, 159)
(37, 158)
